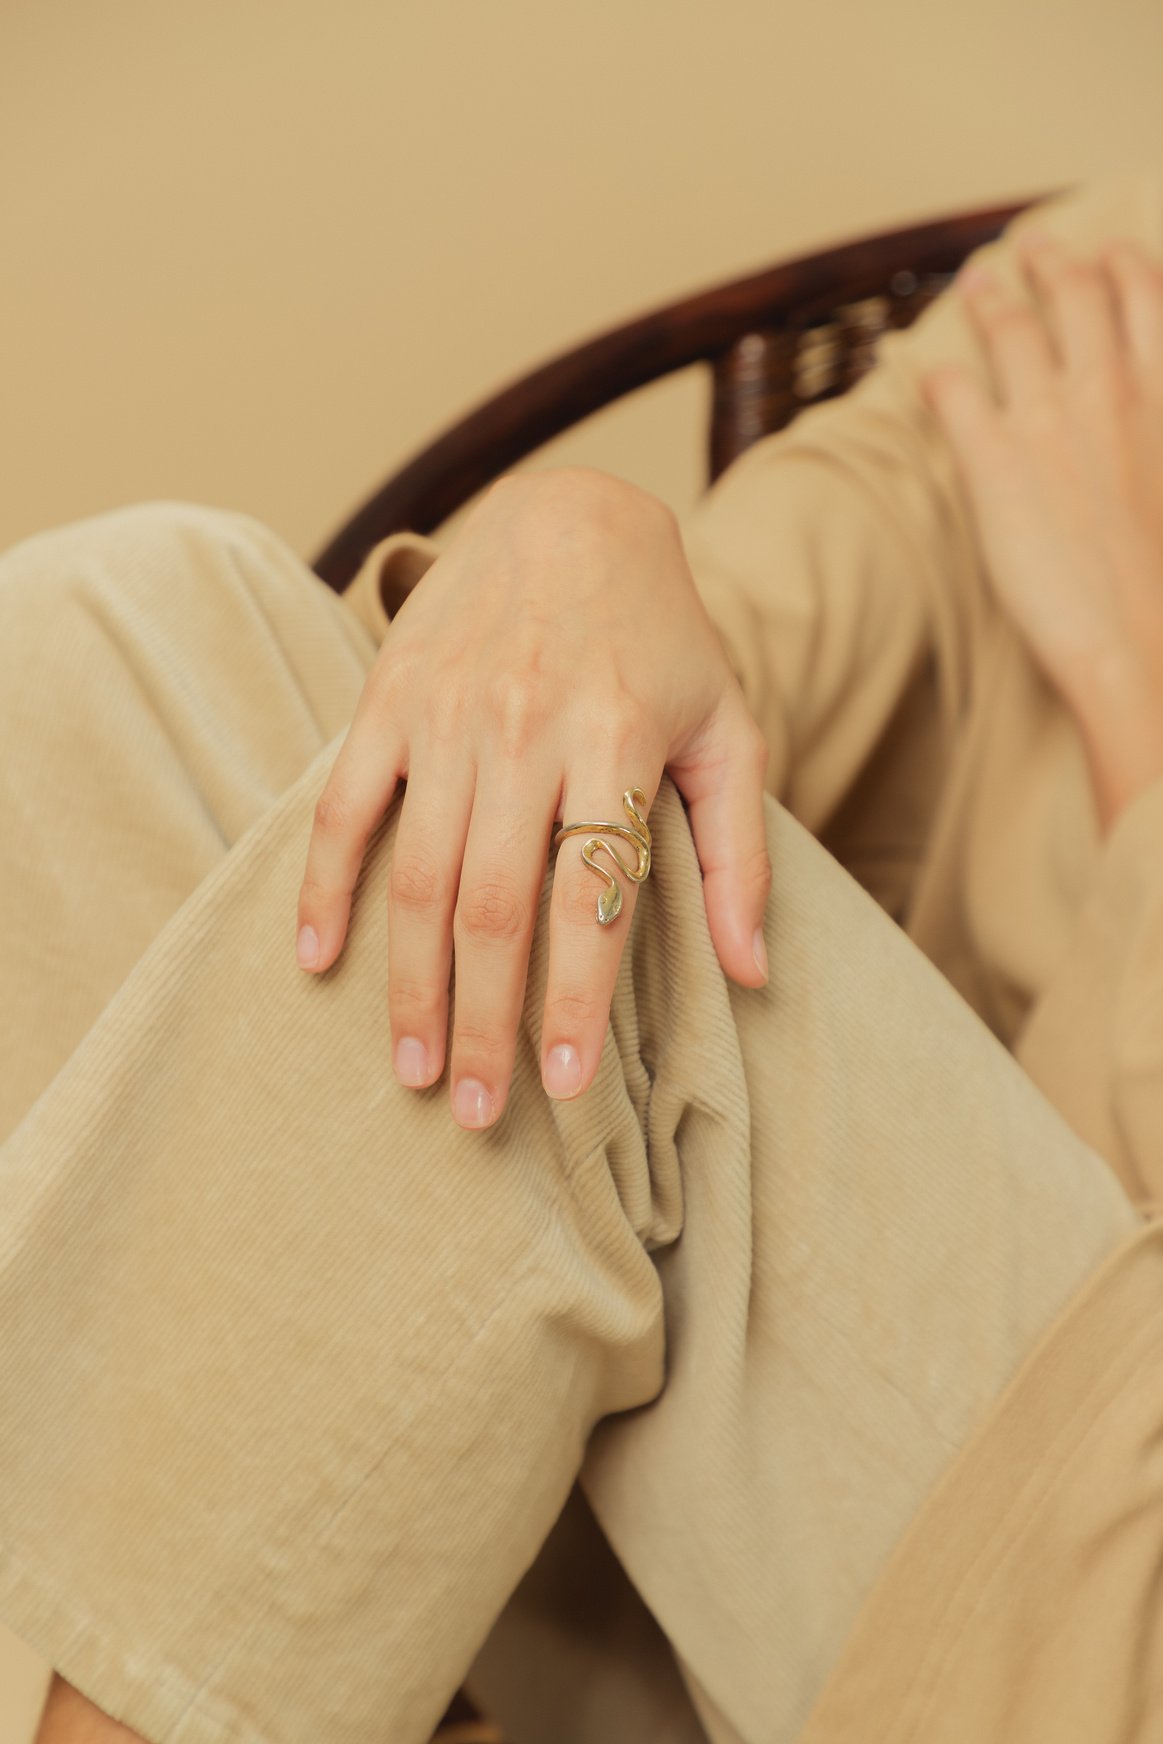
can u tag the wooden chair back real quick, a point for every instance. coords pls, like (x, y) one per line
(776, 341)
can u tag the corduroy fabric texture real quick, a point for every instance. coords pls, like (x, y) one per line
(297, 1374)
(312, 1403)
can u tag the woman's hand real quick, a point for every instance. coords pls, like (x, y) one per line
(555, 654)
(1063, 466)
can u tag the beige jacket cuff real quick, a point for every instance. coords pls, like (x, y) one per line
(384, 579)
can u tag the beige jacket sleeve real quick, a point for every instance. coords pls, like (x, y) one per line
(1093, 1040)
(837, 556)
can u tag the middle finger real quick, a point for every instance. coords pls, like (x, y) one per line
(500, 889)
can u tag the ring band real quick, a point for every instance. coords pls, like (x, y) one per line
(610, 899)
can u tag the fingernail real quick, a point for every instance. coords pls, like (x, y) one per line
(411, 1061)
(563, 1071)
(759, 951)
(472, 1103)
(308, 947)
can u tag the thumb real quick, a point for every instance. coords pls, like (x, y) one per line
(722, 784)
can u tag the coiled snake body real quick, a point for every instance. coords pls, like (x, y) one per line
(610, 899)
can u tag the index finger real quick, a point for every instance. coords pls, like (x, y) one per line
(357, 793)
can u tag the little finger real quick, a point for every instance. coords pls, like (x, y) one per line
(356, 795)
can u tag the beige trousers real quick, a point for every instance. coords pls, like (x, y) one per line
(296, 1376)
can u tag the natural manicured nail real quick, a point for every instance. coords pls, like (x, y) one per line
(307, 949)
(472, 1104)
(759, 951)
(411, 1062)
(563, 1071)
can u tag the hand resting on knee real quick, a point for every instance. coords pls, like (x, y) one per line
(556, 657)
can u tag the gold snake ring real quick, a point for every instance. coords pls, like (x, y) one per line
(610, 899)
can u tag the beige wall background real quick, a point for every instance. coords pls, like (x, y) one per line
(255, 254)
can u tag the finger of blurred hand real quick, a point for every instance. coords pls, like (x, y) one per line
(968, 416)
(723, 786)
(1080, 307)
(427, 855)
(1017, 345)
(505, 860)
(584, 954)
(1138, 284)
(356, 795)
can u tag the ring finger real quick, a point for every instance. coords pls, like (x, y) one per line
(584, 954)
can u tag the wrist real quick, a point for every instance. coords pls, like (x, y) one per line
(576, 484)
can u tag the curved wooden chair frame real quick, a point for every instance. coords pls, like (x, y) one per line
(800, 331)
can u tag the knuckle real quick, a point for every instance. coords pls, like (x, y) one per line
(630, 720)
(314, 894)
(334, 813)
(492, 910)
(755, 745)
(415, 1000)
(577, 898)
(575, 1012)
(416, 884)
(478, 1041)
(755, 871)
(624, 727)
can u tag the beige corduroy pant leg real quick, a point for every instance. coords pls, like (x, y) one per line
(295, 1374)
